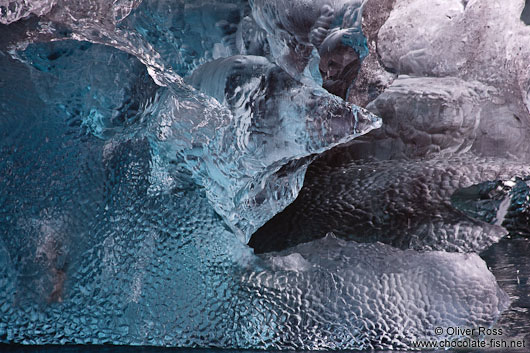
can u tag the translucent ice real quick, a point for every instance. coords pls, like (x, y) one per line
(277, 120)
(301, 32)
(188, 33)
(89, 254)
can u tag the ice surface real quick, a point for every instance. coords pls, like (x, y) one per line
(446, 38)
(277, 120)
(140, 139)
(90, 255)
(398, 295)
(189, 33)
(301, 32)
(407, 204)
(241, 181)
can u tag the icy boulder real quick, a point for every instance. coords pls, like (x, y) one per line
(124, 190)
(483, 41)
(89, 255)
(424, 116)
(408, 204)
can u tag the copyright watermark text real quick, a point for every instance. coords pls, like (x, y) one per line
(469, 338)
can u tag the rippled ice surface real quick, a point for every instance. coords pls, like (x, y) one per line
(509, 260)
(143, 143)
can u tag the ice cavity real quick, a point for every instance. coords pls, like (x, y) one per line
(404, 203)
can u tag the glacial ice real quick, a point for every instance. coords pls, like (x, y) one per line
(278, 121)
(143, 142)
(102, 260)
(405, 203)
(300, 33)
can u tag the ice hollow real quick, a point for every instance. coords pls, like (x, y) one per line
(407, 204)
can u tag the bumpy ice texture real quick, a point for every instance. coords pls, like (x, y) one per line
(124, 189)
(375, 306)
(407, 204)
